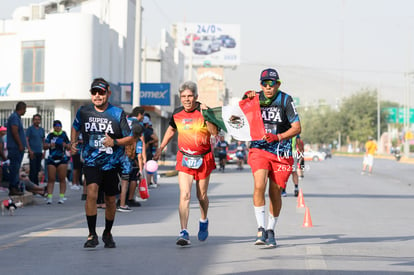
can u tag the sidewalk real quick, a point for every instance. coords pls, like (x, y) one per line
(403, 159)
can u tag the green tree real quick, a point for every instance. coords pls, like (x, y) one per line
(318, 124)
(356, 119)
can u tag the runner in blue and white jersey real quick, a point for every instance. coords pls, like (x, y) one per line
(105, 132)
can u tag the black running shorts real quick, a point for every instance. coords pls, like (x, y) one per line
(108, 180)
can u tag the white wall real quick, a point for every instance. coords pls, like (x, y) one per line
(98, 41)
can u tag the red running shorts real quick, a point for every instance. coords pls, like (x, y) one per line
(279, 167)
(209, 164)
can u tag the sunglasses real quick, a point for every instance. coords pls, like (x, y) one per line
(57, 125)
(271, 83)
(98, 91)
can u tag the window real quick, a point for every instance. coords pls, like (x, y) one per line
(33, 58)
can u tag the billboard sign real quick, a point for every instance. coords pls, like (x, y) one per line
(155, 94)
(213, 44)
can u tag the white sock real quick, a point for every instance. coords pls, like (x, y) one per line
(259, 211)
(271, 224)
(203, 221)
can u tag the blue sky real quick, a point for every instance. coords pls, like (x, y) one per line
(323, 49)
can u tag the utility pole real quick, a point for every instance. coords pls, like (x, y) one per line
(379, 122)
(137, 55)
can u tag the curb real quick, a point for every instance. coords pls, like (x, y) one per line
(168, 173)
(402, 160)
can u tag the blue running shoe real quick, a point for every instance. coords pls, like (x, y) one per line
(261, 236)
(183, 239)
(203, 232)
(271, 242)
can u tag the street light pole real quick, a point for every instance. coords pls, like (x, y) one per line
(409, 78)
(379, 122)
(137, 56)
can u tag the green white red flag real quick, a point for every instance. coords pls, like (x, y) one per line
(243, 121)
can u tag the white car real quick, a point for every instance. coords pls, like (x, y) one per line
(314, 155)
(206, 45)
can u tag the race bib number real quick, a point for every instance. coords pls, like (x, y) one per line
(192, 162)
(96, 141)
(271, 128)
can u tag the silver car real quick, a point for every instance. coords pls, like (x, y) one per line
(206, 45)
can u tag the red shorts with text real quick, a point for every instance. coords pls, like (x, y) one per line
(209, 164)
(279, 167)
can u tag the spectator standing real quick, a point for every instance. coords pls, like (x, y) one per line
(35, 137)
(195, 160)
(368, 162)
(3, 157)
(105, 132)
(129, 166)
(271, 158)
(57, 142)
(16, 144)
(151, 144)
(77, 170)
(138, 114)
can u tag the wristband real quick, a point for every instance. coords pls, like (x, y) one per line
(115, 142)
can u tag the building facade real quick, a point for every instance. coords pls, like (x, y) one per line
(50, 53)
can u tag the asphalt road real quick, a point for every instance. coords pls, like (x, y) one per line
(361, 225)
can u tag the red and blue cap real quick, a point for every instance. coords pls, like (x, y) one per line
(269, 74)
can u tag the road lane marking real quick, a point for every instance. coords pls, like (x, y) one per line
(314, 258)
(28, 235)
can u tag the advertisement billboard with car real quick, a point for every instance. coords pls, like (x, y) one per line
(209, 44)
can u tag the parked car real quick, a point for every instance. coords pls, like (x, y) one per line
(311, 155)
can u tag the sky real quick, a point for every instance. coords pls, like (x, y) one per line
(324, 50)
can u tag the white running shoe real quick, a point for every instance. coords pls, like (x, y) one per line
(75, 187)
(139, 199)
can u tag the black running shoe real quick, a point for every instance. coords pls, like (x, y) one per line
(133, 203)
(92, 242)
(296, 191)
(108, 240)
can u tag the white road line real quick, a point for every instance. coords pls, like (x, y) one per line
(314, 258)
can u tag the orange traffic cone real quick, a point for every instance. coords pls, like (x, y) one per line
(307, 221)
(301, 201)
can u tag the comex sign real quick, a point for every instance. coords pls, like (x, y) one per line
(155, 94)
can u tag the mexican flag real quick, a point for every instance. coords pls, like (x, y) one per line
(244, 122)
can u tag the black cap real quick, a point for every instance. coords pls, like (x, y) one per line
(100, 83)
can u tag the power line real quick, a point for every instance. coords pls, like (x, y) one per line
(321, 68)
